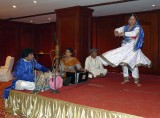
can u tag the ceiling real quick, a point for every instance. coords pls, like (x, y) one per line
(28, 7)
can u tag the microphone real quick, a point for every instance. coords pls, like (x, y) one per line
(33, 63)
(64, 56)
(34, 60)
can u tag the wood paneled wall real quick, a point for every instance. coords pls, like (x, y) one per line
(16, 36)
(149, 22)
(44, 42)
(74, 30)
(104, 40)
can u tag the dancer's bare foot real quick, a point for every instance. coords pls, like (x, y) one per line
(137, 83)
(125, 81)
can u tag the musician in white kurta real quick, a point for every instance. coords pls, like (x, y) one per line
(94, 65)
(129, 55)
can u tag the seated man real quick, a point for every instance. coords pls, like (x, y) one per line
(24, 72)
(94, 66)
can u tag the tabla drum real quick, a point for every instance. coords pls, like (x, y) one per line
(42, 81)
(56, 84)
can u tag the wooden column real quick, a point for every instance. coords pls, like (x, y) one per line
(159, 42)
(73, 26)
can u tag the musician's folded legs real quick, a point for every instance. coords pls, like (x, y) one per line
(26, 70)
(24, 85)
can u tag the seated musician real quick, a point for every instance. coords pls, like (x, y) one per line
(69, 63)
(94, 65)
(24, 72)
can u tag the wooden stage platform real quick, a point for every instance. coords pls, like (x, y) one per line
(96, 98)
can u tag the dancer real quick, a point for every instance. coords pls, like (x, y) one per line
(129, 55)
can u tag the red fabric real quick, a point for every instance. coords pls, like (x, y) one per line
(107, 93)
(134, 37)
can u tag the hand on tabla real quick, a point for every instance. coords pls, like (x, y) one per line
(39, 72)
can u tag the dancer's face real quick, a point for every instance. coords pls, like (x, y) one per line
(132, 21)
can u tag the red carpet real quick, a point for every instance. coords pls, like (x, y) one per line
(107, 93)
(2, 108)
(3, 114)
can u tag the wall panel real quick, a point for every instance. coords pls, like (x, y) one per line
(16, 36)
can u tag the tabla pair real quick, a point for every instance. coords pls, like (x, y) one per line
(45, 81)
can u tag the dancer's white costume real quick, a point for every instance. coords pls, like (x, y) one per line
(126, 55)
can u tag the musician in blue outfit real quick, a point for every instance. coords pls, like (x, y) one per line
(24, 73)
(129, 55)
